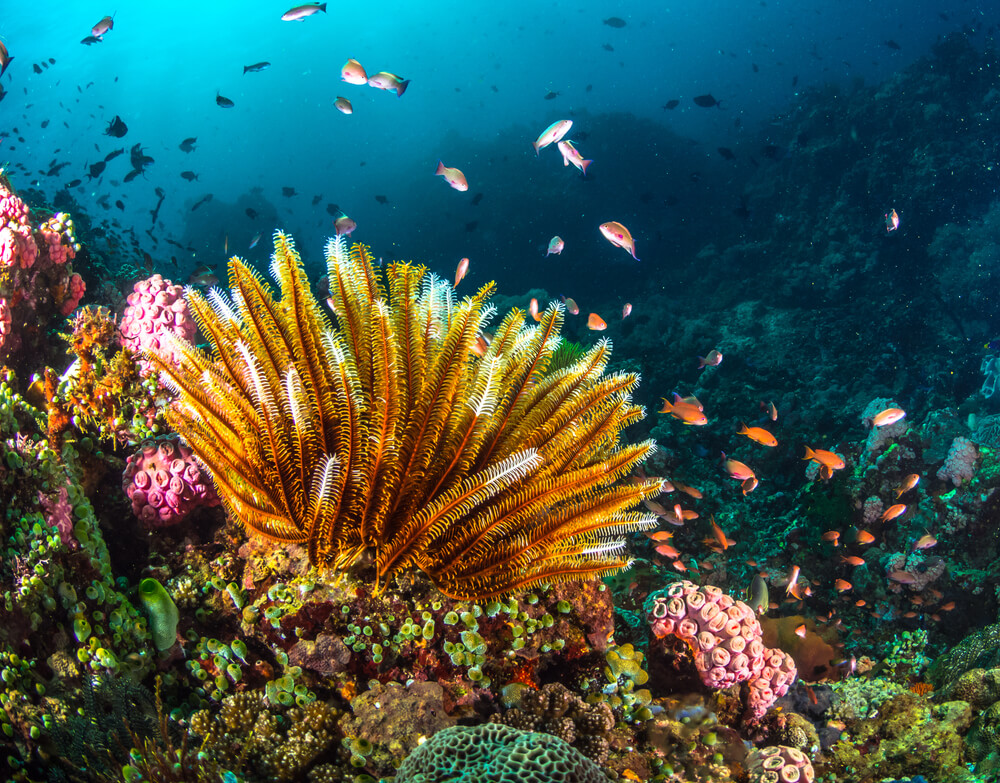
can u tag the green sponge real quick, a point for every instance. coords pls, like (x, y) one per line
(162, 611)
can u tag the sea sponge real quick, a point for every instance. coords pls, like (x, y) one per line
(494, 753)
(155, 306)
(165, 483)
(162, 613)
(779, 764)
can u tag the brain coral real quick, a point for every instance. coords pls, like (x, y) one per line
(494, 753)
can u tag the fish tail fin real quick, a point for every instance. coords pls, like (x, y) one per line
(245, 69)
(322, 7)
(402, 85)
(743, 425)
(701, 364)
(583, 166)
(810, 454)
(440, 170)
(535, 145)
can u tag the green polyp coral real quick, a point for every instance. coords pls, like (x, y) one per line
(162, 613)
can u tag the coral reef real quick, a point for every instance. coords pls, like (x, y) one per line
(165, 483)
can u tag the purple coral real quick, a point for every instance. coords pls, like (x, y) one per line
(165, 483)
(155, 307)
(725, 638)
(59, 514)
(960, 464)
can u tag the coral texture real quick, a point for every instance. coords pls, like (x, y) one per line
(494, 753)
(960, 464)
(165, 483)
(725, 638)
(779, 764)
(155, 307)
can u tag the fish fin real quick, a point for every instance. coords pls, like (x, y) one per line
(583, 168)
(440, 169)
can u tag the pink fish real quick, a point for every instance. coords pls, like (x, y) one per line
(453, 177)
(619, 236)
(99, 29)
(384, 80)
(300, 12)
(572, 155)
(891, 220)
(343, 105)
(552, 134)
(626, 310)
(713, 359)
(344, 225)
(353, 73)
(460, 272)
(556, 246)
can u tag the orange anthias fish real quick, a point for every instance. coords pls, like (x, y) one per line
(353, 73)
(596, 323)
(533, 309)
(891, 221)
(384, 80)
(792, 586)
(343, 105)
(902, 577)
(552, 134)
(908, 483)
(757, 434)
(695, 493)
(687, 409)
(801, 631)
(832, 536)
(301, 12)
(864, 537)
(772, 411)
(667, 551)
(571, 306)
(720, 535)
(853, 560)
(619, 236)
(887, 417)
(572, 155)
(825, 458)
(344, 225)
(556, 245)
(749, 485)
(712, 359)
(842, 586)
(925, 541)
(99, 29)
(626, 310)
(738, 470)
(893, 511)
(461, 271)
(453, 177)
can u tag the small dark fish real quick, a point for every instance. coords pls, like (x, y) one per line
(317, 199)
(223, 101)
(614, 21)
(120, 205)
(52, 61)
(476, 199)
(147, 262)
(36, 68)
(203, 275)
(188, 144)
(382, 199)
(74, 183)
(551, 95)
(251, 213)
(727, 153)
(45, 123)
(471, 225)
(203, 201)
(607, 47)
(673, 103)
(494, 88)
(795, 80)
(256, 67)
(190, 176)
(893, 45)
(288, 192)
(113, 154)
(55, 168)
(588, 88)
(105, 201)
(333, 209)
(96, 169)
(706, 101)
(90, 40)
(159, 192)
(132, 175)
(755, 68)
(116, 128)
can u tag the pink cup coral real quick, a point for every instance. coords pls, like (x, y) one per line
(165, 483)
(155, 306)
(725, 638)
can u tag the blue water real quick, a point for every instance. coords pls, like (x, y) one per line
(476, 100)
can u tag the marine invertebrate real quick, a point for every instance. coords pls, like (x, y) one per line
(960, 464)
(155, 306)
(779, 764)
(162, 612)
(493, 751)
(398, 431)
(165, 483)
(725, 638)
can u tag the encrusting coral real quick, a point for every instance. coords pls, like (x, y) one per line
(400, 430)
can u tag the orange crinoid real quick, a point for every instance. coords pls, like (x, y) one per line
(384, 430)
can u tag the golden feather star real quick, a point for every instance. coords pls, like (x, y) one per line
(382, 430)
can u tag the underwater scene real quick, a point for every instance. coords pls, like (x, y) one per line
(513, 392)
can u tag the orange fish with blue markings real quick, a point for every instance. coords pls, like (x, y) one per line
(758, 435)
